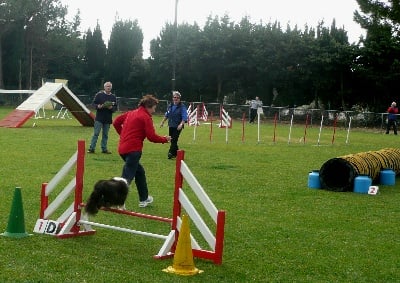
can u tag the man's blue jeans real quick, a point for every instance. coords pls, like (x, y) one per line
(104, 128)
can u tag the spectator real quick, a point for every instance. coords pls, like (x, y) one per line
(105, 104)
(392, 118)
(255, 108)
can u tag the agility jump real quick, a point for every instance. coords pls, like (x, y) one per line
(75, 222)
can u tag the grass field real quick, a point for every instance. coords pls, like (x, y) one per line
(277, 229)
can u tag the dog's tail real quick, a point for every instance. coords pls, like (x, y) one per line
(93, 203)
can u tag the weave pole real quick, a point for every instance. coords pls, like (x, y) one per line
(226, 134)
(243, 122)
(305, 130)
(290, 129)
(275, 118)
(258, 127)
(348, 131)
(320, 129)
(334, 129)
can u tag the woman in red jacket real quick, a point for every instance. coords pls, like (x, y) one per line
(392, 118)
(133, 127)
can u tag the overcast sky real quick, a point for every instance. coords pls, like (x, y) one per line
(153, 14)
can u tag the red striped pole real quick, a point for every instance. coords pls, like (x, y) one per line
(44, 201)
(211, 126)
(334, 129)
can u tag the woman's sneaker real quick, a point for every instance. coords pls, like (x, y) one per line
(146, 202)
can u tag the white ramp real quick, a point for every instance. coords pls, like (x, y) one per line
(42, 96)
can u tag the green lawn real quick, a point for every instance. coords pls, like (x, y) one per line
(277, 229)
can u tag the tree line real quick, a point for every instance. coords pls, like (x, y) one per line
(235, 61)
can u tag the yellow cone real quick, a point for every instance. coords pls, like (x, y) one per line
(183, 258)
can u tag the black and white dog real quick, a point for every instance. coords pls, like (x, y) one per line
(107, 193)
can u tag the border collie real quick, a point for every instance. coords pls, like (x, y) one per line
(107, 193)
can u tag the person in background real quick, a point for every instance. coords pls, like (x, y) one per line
(392, 118)
(255, 104)
(105, 104)
(133, 127)
(177, 117)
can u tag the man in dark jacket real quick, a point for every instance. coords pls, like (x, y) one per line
(105, 104)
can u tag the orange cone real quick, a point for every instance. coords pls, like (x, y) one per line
(16, 221)
(183, 258)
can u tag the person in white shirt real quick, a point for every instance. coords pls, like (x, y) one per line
(255, 104)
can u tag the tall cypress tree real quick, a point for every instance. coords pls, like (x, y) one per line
(125, 44)
(95, 57)
(378, 66)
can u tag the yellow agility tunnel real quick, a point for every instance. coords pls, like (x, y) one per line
(338, 174)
